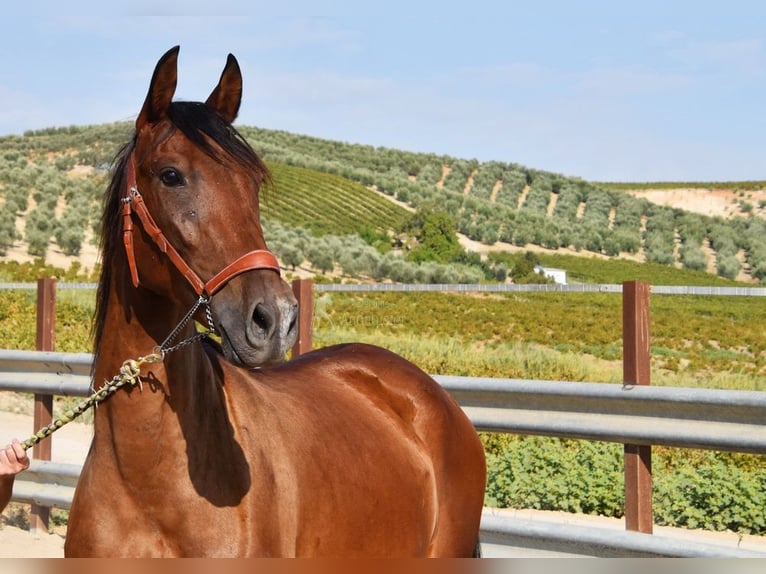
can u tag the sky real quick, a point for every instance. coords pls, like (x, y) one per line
(602, 90)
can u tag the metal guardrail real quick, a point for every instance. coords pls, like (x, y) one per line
(692, 418)
(47, 483)
(644, 415)
(671, 416)
(45, 372)
(561, 540)
(539, 288)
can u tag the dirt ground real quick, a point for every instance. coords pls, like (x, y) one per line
(721, 202)
(18, 543)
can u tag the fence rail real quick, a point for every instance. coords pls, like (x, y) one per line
(633, 414)
(45, 372)
(538, 288)
(482, 288)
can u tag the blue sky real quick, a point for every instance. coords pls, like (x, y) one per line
(617, 91)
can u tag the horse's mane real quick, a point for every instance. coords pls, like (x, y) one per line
(204, 128)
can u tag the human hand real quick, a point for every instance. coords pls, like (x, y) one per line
(13, 459)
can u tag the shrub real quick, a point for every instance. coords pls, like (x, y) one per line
(321, 259)
(8, 233)
(728, 265)
(711, 495)
(557, 474)
(38, 230)
(692, 489)
(291, 254)
(659, 249)
(693, 257)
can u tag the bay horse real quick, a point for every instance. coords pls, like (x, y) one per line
(226, 449)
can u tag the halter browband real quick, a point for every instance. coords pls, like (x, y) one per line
(132, 202)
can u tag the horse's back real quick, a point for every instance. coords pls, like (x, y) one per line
(363, 388)
(386, 381)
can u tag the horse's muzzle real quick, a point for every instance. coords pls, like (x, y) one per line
(258, 332)
(273, 322)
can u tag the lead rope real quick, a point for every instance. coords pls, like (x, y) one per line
(130, 373)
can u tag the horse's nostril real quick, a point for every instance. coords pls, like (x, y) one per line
(262, 318)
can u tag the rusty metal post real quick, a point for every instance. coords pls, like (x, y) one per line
(303, 289)
(636, 371)
(43, 409)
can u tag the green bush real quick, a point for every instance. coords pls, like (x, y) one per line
(711, 495)
(8, 233)
(728, 265)
(693, 257)
(692, 489)
(557, 474)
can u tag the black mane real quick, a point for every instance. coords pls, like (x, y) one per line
(203, 127)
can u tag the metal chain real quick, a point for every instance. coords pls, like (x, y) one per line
(164, 349)
(130, 372)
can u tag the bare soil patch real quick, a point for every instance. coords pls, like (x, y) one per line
(725, 203)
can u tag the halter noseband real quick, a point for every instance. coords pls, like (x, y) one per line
(132, 202)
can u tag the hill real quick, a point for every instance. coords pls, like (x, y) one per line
(51, 182)
(506, 206)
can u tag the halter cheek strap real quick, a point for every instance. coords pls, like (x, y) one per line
(132, 202)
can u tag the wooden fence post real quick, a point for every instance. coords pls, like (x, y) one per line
(636, 371)
(43, 409)
(303, 289)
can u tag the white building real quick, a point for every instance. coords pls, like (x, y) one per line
(559, 276)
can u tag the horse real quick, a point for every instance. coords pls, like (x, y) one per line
(226, 449)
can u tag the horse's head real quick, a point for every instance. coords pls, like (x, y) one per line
(198, 181)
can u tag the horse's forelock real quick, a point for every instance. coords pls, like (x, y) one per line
(203, 126)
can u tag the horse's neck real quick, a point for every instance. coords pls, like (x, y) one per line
(176, 395)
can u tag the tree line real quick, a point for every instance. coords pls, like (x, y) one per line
(488, 202)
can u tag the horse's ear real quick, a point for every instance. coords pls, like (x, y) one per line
(227, 95)
(161, 90)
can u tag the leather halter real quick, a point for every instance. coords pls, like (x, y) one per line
(132, 202)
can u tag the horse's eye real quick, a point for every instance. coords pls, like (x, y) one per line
(171, 177)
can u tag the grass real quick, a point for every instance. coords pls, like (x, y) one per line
(449, 356)
(712, 342)
(584, 269)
